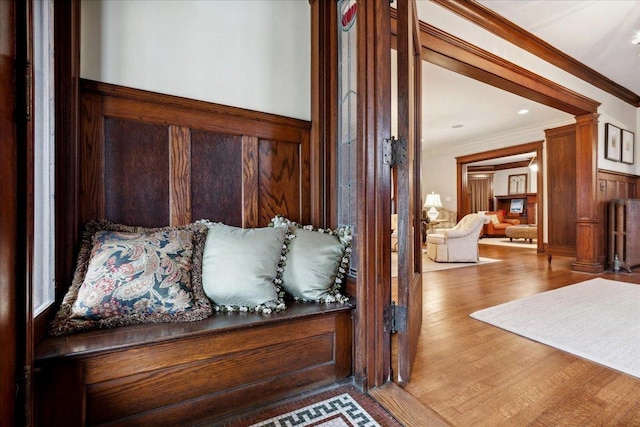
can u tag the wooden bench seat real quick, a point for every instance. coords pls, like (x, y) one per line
(159, 374)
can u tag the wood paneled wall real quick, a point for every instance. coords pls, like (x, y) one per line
(154, 160)
(561, 184)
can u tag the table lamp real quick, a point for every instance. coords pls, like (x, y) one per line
(433, 202)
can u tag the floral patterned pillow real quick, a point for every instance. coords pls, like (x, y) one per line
(128, 275)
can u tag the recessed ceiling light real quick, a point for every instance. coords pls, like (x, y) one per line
(636, 40)
(523, 111)
(456, 126)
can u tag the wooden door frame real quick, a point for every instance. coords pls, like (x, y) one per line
(462, 179)
(372, 352)
(452, 53)
(372, 367)
(372, 288)
(9, 216)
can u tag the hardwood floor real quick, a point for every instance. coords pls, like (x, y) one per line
(474, 374)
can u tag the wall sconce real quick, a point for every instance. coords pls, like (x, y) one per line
(533, 164)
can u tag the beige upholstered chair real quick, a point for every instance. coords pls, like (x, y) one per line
(457, 244)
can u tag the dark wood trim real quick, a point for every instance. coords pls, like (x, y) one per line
(500, 152)
(156, 108)
(493, 168)
(623, 176)
(9, 220)
(324, 90)
(455, 54)
(491, 21)
(372, 343)
(67, 62)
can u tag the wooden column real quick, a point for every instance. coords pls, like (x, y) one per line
(588, 224)
(324, 127)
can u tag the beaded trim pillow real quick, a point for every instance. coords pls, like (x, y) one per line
(242, 267)
(129, 275)
(316, 261)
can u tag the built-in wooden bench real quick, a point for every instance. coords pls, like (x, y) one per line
(153, 160)
(186, 373)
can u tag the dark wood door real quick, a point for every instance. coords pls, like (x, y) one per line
(408, 195)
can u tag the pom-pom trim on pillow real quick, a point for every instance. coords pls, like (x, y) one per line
(344, 236)
(65, 322)
(265, 308)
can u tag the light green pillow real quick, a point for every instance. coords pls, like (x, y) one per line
(316, 262)
(241, 268)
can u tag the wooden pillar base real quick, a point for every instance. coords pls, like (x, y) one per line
(587, 267)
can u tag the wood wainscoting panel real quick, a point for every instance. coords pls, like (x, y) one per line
(136, 394)
(180, 170)
(90, 163)
(204, 370)
(279, 176)
(136, 173)
(250, 181)
(216, 168)
(154, 160)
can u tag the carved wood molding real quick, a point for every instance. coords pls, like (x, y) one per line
(125, 102)
(507, 30)
(455, 54)
(465, 58)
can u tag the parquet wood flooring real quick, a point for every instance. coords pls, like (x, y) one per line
(474, 374)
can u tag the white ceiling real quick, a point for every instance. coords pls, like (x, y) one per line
(597, 33)
(489, 113)
(593, 32)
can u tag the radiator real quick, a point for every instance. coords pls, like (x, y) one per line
(624, 232)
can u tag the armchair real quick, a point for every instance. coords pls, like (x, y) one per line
(457, 244)
(497, 223)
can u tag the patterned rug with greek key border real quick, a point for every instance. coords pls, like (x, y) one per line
(340, 407)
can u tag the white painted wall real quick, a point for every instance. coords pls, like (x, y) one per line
(439, 168)
(248, 54)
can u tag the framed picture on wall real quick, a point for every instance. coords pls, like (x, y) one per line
(628, 150)
(518, 184)
(612, 149)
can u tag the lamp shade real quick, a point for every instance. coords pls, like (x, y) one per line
(433, 202)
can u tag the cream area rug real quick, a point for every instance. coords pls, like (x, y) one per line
(429, 265)
(598, 319)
